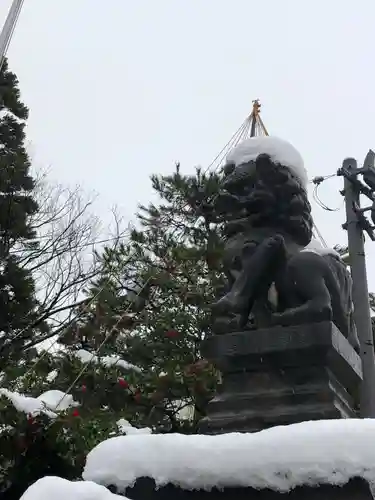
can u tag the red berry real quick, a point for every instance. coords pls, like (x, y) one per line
(137, 396)
(196, 367)
(156, 397)
(123, 383)
(200, 387)
(21, 443)
(75, 413)
(171, 334)
(202, 364)
(189, 369)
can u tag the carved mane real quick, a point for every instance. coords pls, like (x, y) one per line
(267, 194)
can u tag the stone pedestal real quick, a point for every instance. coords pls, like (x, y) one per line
(356, 489)
(281, 376)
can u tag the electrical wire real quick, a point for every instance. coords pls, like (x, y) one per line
(84, 368)
(236, 138)
(92, 300)
(243, 131)
(85, 309)
(76, 317)
(318, 181)
(240, 133)
(109, 335)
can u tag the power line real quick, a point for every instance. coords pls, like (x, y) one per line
(248, 126)
(317, 181)
(108, 336)
(235, 138)
(250, 123)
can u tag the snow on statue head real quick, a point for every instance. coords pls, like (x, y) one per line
(266, 181)
(279, 151)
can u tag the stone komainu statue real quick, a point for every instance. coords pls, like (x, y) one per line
(273, 276)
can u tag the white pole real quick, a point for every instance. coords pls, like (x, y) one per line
(8, 28)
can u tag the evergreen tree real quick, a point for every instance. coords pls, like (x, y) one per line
(133, 351)
(17, 205)
(150, 306)
(154, 306)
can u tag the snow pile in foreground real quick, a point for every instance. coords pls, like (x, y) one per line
(48, 403)
(125, 427)
(278, 150)
(281, 458)
(88, 357)
(56, 488)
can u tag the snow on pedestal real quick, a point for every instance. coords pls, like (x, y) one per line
(280, 458)
(56, 488)
(280, 151)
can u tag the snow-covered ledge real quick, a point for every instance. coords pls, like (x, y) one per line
(282, 458)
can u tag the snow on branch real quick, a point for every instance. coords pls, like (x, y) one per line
(47, 403)
(108, 361)
(126, 428)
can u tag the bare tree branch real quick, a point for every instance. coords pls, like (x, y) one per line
(63, 257)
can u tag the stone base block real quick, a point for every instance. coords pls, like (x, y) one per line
(280, 376)
(356, 489)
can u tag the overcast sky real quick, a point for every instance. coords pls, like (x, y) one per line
(120, 89)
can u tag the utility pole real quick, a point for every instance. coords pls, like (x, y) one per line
(9, 27)
(356, 224)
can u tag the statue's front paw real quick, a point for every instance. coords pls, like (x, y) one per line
(275, 319)
(278, 239)
(273, 243)
(226, 324)
(228, 305)
(221, 306)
